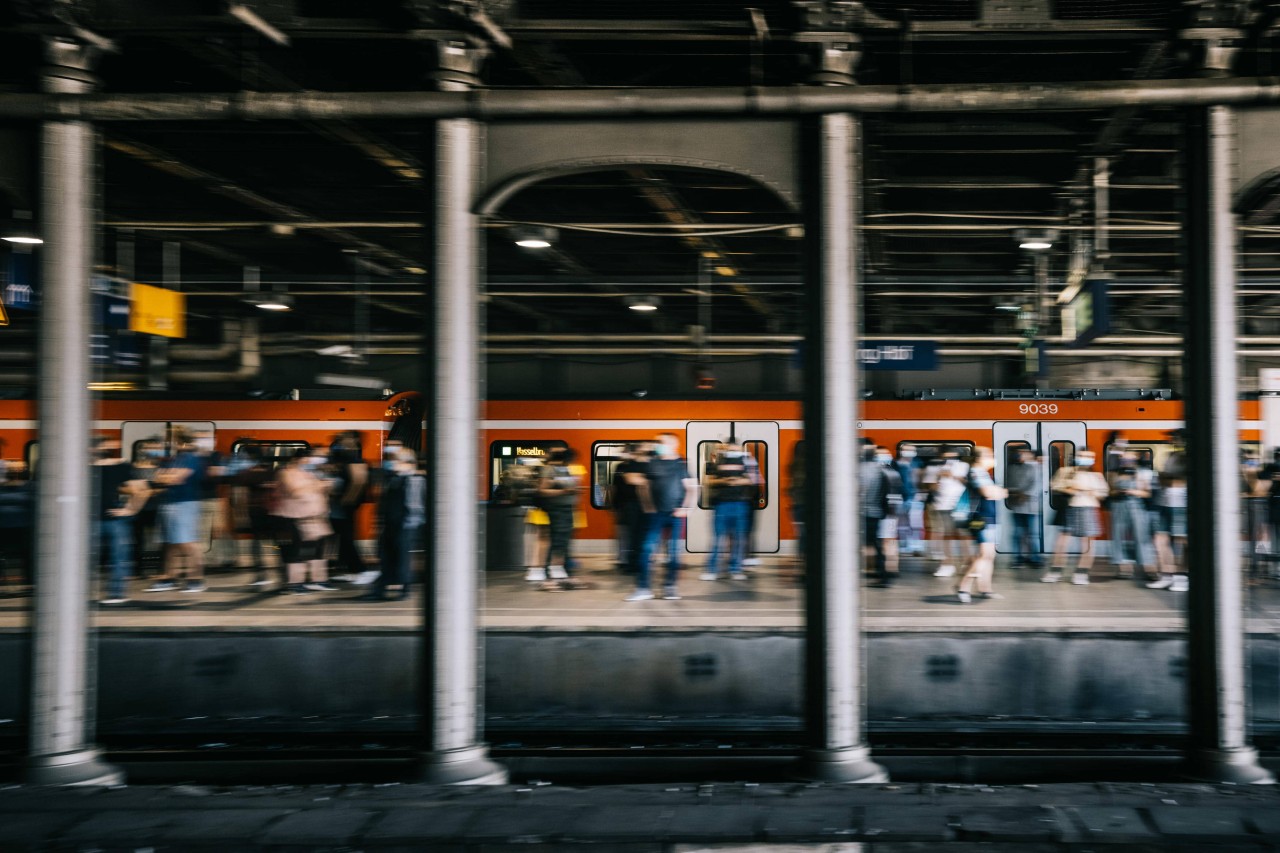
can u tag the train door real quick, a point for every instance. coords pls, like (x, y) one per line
(760, 439)
(1056, 442)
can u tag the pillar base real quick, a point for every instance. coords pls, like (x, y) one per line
(72, 768)
(1233, 766)
(839, 766)
(469, 766)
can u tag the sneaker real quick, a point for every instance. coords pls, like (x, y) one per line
(965, 598)
(1080, 578)
(320, 587)
(946, 570)
(366, 578)
(1162, 582)
(708, 576)
(738, 576)
(343, 578)
(640, 595)
(195, 586)
(990, 596)
(557, 573)
(113, 601)
(260, 582)
(538, 574)
(1051, 577)
(161, 586)
(670, 594)
(1180, 584)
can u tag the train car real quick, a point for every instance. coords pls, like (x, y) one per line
(514, 431)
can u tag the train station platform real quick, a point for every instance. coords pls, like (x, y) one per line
(771, 599)
(672, 818)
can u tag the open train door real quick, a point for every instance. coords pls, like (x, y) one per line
(760, 439)
(1056, 442)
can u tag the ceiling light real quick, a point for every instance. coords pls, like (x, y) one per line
(642, 303)
(533, 236)
(253, 20)
(271, 301)
(1035, 241)
(20, 229)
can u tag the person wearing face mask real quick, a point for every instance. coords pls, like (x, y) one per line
(1086, 489)
(731, 491)
(887, 528)
(1171, 519)
(983, 496)
(910, 511)
(1130, 489)
(1023, 482)
(666, 492)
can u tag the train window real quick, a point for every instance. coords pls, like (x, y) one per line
(606, 456)
(138, 449)
(758, 450)
(926, 450)
(274, 452)
(505, 454)
(1011, 451)
(31, 455)
(1062, 454)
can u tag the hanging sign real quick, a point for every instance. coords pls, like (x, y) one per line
(1088, 315)
(20, 289)
(898, 355)
(157, 311)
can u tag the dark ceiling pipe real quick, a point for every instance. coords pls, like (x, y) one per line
(631, 103)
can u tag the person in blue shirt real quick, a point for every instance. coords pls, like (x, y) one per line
(182, 481)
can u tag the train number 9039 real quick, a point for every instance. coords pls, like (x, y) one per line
(1038, 408)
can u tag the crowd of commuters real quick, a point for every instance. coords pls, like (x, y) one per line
(287, 511)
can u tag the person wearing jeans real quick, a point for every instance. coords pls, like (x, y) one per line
(666, 492)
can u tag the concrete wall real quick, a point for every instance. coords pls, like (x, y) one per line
(155, 681)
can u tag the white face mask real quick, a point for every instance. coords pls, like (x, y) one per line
(205, 444)
(908, 454)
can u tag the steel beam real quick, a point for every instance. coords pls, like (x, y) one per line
(453, 676)
(498, 105)
(60, 751)
(1216, 684)
(835, 701)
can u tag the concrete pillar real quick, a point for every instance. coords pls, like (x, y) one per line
(452, 680)
(60, 751)
(835, 702)
(1216, 683)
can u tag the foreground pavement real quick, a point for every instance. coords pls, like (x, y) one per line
(680, 818)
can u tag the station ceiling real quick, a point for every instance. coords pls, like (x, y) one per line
(335, 214)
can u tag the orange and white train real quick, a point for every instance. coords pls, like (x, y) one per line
(772, 430)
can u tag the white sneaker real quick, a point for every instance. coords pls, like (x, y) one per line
(557, 573)
(1080, 579)
(640, 595)
(1051, 577)
(536, 574)
(1162, 582)
(965, 598)
(1180, 584)
(114, 601)
(945, 571)
(365, 578)
(751, 561)
(708, 576)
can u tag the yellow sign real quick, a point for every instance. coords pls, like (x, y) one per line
(157, 311)
(4, 318)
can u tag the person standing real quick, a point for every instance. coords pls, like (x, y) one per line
(628, 517)
(910, 532)
(951, 476)
(351, 479)
(666, 493)
(1086, 489)
(891, 504)
(1023, 484)
(732, 491)
(121, 493)
(302, 501)
(983, 495)
(182, 480)
(558, 491)
(402, 511)
(1130, 489)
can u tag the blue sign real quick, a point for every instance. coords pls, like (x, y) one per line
(898, 355)
(20, 287)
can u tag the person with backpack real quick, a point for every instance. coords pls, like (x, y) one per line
(878, 490)
(983, 495)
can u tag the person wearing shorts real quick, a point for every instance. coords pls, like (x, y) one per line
(178, 518)
(983, 495)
